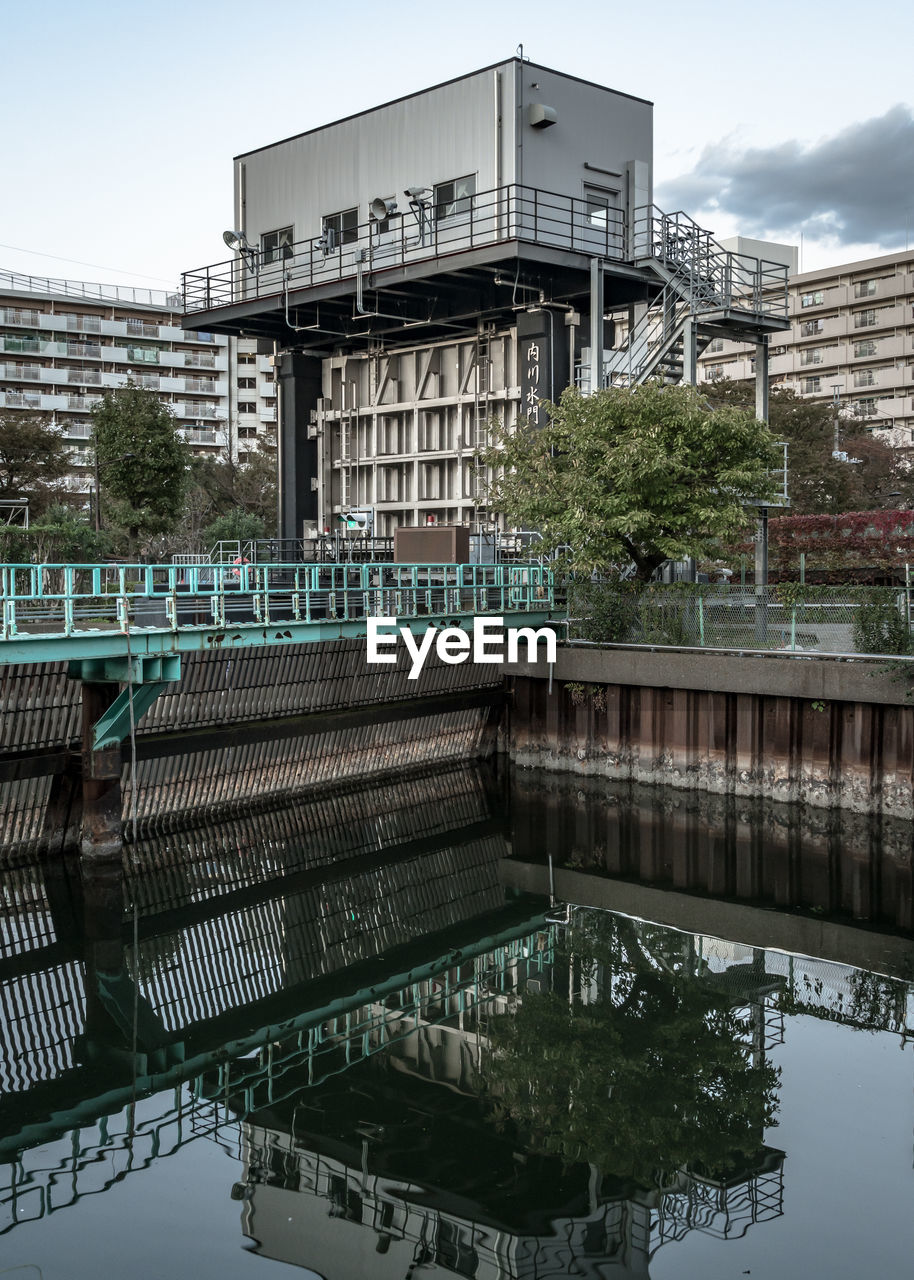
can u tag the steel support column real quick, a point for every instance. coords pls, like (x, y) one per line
(761, 379)
(690, 351)
(100, 836)
(597, 308)
(761, 579)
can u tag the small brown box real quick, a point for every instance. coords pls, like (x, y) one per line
(432, 544)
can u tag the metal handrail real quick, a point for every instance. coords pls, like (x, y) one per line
(511, 212)
(125, 598)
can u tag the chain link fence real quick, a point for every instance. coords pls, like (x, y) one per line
(789, 616)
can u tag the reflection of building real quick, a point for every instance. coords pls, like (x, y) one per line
(394, 1168)
(852, 326)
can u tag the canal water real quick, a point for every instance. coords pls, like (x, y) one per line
(467, 1024)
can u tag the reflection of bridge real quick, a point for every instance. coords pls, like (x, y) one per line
(393, 1166)
(306, 972)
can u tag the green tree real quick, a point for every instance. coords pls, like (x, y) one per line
(818, 483)
(33, 459)
(220, 487)
(143, 463)
(642, 475)
(64, 536)
(236, 525)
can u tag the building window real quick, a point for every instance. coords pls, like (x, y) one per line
(717, 344)
(863, 319)
(247, 406)
(865, 288)
(247, 384)
(812, 299)
(340, 228)
(809, 328)
(864, 378)
(246, 433)
(715, 371)
(813, 355)
(867, 348)
(865, 406)
(453, 198)
(811, 385)
(275, 245)
(245, 357)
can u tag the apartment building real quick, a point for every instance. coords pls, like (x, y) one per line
(851, 341)
(63, 343)
(457, 255)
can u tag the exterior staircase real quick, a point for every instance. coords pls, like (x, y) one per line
(698, 279)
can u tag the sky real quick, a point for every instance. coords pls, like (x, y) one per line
(784, 121)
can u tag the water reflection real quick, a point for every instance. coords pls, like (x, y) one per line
(410, 1069)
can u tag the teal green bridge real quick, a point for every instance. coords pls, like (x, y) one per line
(129, 624)
(122, 629)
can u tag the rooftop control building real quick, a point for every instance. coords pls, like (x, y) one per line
(456, 255)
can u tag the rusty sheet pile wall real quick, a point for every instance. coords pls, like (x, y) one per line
(792, 729)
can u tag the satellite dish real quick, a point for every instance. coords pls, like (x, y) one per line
(236, 240)
(381, 207)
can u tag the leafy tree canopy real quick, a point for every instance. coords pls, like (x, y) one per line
(143, 461)
(818, 483)
(643, 475)
(33, 459)
(236, 525)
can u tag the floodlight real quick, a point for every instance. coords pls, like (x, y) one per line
(236, 240)
(382, 207)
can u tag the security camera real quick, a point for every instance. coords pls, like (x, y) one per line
(415, 193)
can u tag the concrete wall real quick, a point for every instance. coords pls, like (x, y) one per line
(823, 733)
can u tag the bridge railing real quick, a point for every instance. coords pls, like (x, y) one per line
(66, 599)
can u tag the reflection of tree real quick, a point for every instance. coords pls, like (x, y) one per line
(873, 1002)
(649, 1073)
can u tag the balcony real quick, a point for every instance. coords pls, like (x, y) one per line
(32, 346)
(141, 329)
(487, 218)
(81, 324)
(204, 436)
(195, 409)
(21, 399)
(21, 372)
(86, 377)
(19, 316)
(143, 355)
(199, 360)
(85, 350)
(80, 404)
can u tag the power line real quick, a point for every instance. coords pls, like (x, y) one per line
(78, 263)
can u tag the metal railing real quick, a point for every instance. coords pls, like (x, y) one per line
(787, 617)
(53, 600)
(511, 212)
(713, 278)
(716, 278)
(83, 289)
